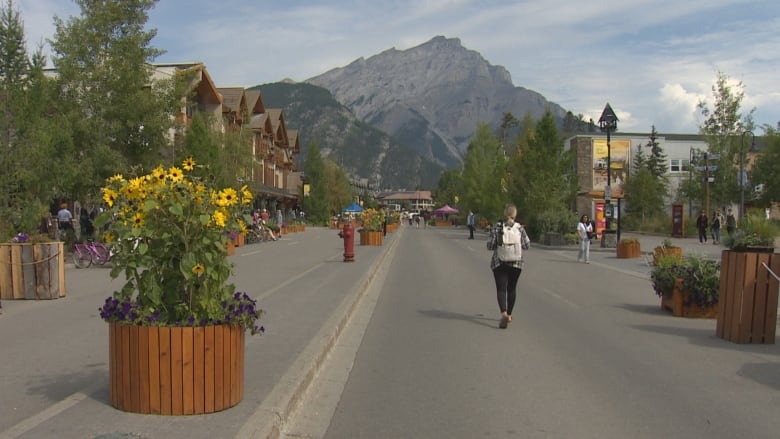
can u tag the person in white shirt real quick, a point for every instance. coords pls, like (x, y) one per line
(584, 231)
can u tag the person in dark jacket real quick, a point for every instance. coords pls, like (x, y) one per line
(702, 224)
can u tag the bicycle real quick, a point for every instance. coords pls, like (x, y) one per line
(91, 252)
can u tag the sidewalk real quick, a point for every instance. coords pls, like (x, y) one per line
(55, 367)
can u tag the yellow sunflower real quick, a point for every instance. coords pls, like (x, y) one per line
(227, 197)
(109, 196)
(188, 164)
(219, 218)
(175, 174)
(138, 219)
(159, 174)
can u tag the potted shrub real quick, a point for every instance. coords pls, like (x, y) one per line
(628, 248)
(176, 316)
(747, 313)
(688, 286)
(373, 224)
(755, 233)
(666, 248)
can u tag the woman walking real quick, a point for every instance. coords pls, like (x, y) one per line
(584, 232)
(507, 240)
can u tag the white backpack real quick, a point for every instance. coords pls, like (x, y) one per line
(511, 248)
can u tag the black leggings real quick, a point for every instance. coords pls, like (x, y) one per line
(506, 286)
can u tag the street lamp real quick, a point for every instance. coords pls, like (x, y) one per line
(742, 172)
(608, 122)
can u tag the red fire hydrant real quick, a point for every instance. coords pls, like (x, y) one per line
(348, 234)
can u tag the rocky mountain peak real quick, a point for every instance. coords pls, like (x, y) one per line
(431, 96)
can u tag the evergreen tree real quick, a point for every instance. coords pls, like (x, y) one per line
(483, 176)
(318, 203)
(542, 179)
(449, 188)
(656, 162)
(766, 170)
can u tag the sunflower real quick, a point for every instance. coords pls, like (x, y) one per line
(116, 179)
(109, 196)
(138, 219)
(219, 218)
(175, 174)
(188, 164)
(227, 197)
(159, 174)
(246, 195)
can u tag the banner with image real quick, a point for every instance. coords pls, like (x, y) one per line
(619, 164)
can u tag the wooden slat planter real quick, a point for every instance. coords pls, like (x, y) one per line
(675, 303)
(175, 370)
(748, 297)
(443, 224)
(660, 252)
(32, 271)
(370, 237)
(626, 250)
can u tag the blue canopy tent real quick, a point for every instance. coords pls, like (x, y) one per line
(352, 208)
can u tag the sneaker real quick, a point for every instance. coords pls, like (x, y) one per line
(503, 322)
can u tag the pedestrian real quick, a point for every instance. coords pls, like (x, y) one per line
(507, 241)
(584, 233)
(64, 217)
(470, 222)
(702, 223)
(716, 223)
(731, 222)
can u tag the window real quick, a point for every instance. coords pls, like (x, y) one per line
(679, 165)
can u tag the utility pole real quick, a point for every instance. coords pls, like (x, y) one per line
(707, 184)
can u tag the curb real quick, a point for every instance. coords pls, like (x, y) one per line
(269, 418)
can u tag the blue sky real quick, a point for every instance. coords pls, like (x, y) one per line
(652, 60)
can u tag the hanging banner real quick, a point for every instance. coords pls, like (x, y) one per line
(619, 163)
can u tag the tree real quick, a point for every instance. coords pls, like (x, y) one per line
(317, 204)
(656, 162)
(542, 179)
(723, 125)
(647, 188)
(766, 170)
(102, 59)
(29, 130)
(449, 188)
(508, 122)
(483, 176)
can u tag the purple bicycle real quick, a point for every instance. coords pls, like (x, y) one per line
(91, 252)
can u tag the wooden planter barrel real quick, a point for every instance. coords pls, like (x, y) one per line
(675, 302)
(626, 250)
(370, 237)
(175, 370)
(32, 271)
(748, 297)
(660, 252)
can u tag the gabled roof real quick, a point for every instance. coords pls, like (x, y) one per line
(261, 122)
(205, 89)
(295, 142)
(277, 122)
(232, 99)
(254, 102)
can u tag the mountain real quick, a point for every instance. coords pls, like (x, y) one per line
(362, 150)
(432, 96)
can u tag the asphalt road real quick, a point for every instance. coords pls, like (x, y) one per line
(590, 354)
(411, 328)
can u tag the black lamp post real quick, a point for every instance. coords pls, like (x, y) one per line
(608, 122)
(742, 172)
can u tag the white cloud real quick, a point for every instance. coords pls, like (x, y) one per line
(651, 59)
